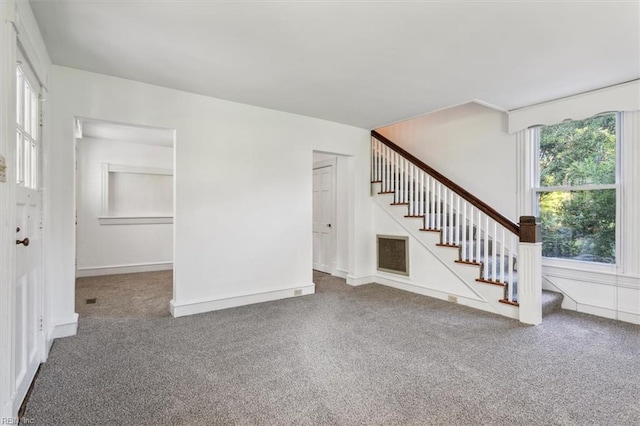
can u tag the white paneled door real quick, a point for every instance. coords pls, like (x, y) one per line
(28, 301)
(28, 289)
(323, 218)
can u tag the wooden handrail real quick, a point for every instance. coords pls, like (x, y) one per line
(478, 203)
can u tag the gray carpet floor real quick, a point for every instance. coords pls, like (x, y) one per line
(344, 356)
(144, 295)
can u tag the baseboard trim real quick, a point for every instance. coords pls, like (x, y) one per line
(614, 314)
(631, 317)
(600, 311)
(201, 306)
(356, 281)
(65, 329)
(341, 273)
(482, 305)
(96, 271)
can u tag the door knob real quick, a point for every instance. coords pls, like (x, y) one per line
(328, 225)
(25, 242)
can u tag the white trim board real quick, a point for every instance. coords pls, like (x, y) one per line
(506, 311)
(356, 281)
(337, 272)
(95, 271)
(208, 305)
(65, 329)
(621, 97)
(135, 220)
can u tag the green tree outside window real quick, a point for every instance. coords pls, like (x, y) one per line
(578, 223)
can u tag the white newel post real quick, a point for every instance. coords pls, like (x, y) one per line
(530, 271)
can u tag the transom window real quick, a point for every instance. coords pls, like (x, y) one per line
(576, 192)
(27, 130)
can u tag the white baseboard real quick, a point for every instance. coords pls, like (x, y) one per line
(200, 306)
(356, 281)
(572, 301)
(341, 273)
(620, 315)
(95, 271)
(439, 294)
(629, 317)
(65, 329)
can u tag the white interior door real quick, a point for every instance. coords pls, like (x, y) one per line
(28, 289)
(323, 218)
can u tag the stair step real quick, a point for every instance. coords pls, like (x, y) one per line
(551, 302)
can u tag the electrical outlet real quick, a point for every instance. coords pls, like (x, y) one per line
(453, 299)
(297, 292)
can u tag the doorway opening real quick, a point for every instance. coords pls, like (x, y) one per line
(330, 214)
(124, 219)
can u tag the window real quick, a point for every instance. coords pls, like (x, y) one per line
(27, 127)
(577, 191)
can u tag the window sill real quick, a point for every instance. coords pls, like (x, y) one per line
(134, 220)
(578, 265)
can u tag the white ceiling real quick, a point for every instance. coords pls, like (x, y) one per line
(99, 129)
(361, 63)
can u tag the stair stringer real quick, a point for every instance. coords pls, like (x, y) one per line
(487, 295)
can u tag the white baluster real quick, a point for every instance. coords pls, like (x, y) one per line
(417, 186)
(451, 218)
(421, 193)
(387, 167)
(410, 188)
(502, 256)
(511, 253)
(427, 202)
(478, 237)
(434, 204)
(486, 247)
(373, 159)
(392, 177)
(494, 254)
(444, 213)
(401, 177)
(415, 191)
(458, 224)
(383, 168)
(439, 206)
(396, 177)
(465, 232)
(378, 174)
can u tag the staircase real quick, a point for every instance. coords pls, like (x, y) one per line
(479, 244)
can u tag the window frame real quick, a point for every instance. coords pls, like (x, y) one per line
(537, 189)
(28, 126)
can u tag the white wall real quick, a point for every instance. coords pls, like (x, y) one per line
(243, 190)
(108, 249)
(470, 145)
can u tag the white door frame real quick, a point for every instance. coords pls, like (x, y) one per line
(8, 49)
